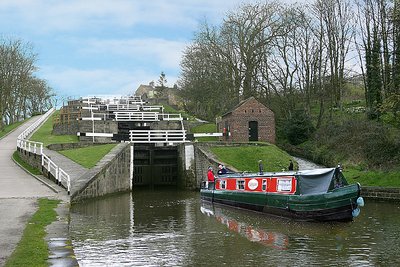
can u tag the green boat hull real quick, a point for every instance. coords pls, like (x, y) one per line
(335, 205)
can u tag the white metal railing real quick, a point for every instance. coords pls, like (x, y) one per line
(62, 178)
(124, 107)
(31, 146)
(146, 116)
(96, 117)
(60, 175)
(157, 136)
(170, 117)
(136, 116)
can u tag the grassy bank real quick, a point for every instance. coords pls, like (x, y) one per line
(373, 177)
(44, 134)
(25, 165)
(246, 157)
(32, 250)
(88, 156)
(205, 128)
(10, 128)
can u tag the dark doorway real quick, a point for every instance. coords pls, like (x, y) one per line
(253, 130)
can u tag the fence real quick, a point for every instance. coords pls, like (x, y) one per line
(157, 136)
(62, 178)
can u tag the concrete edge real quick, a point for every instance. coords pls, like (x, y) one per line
(94, 171)
(55, 190)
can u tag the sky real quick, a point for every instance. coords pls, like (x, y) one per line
(108, 47)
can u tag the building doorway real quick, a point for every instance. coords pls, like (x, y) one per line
(253, 131)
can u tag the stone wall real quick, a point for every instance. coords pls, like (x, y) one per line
(65, 146)
(383, 193)
(110, 175)
(99, 127)
(70, 128)
(30, 158)
(205, 158)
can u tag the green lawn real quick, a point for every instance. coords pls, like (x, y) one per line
(205, 128)
(11, 127)
(32, 250)
(169, 109)
(372, 177)
(246, 157)
(88, 156)
(44, 134)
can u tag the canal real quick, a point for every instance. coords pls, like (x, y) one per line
(173, 228)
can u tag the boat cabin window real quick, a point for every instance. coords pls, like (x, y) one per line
(240, 184)
(222, 184)
(284, 185)
(264, 185)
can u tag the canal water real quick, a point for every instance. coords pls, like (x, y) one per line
(172, 228)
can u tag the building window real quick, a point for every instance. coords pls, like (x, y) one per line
(240, 184)
(264, 185)
(223, 184)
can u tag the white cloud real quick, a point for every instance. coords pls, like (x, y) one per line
(77, 82)
(156, 51)
(72, 15)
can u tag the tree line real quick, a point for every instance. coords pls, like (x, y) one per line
(22, 94)
(296, 57)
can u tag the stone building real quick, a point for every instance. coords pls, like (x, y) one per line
(151, 94)
(248, 121)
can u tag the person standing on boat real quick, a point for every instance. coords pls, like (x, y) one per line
(290, 168)
(224, 171)
(210, 175)
(221, 169)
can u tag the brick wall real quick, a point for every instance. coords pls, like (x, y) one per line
(238, 121)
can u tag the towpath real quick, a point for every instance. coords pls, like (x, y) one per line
(74, 170)
(19, 192)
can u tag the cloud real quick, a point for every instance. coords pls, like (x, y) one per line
(77, 15)
(77, 82)
(156, 51)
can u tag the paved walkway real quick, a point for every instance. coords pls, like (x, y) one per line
(18, 195)
(19, 192)
(74, 170)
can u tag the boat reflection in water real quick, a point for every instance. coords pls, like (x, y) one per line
(272, 239)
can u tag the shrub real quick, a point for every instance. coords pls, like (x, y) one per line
(298, 128)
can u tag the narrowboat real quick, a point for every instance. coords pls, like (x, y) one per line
(310, 195)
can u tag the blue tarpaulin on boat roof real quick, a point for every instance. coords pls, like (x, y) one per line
(315, 181)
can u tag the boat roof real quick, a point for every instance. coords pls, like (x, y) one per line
(311, 172)
(315, 181)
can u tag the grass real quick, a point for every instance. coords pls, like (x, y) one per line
(44, 134)
(9, 128)
(246, 157)
(205, 128)
(169, 109)
(88, 156)
(25, 165)
(32, 250)
(372, 177)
